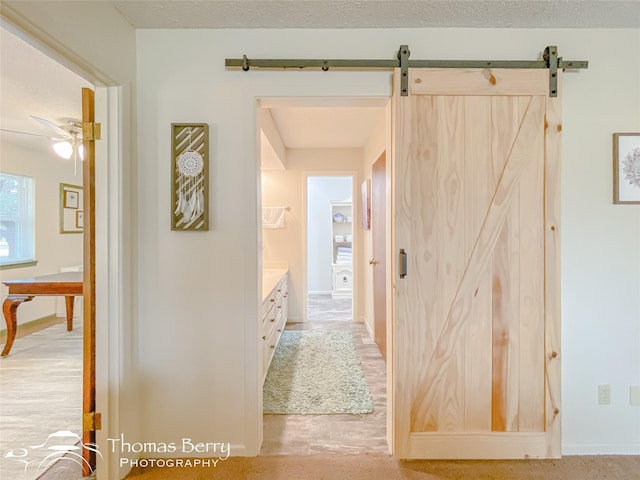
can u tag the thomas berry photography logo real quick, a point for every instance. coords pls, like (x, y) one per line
(211, 453)
(62, 448)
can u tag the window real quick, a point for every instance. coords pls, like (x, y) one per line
(17, 219)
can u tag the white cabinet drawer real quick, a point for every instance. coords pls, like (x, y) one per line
(342, 279)
(274, 318)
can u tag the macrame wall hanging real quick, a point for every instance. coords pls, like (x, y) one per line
(190, 176)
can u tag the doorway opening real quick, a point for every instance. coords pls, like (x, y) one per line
(330, 288)
(315, 156)
(47, 355)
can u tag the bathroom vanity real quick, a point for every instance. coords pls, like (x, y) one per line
(274, 312)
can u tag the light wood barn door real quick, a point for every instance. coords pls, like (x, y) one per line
(476, 319)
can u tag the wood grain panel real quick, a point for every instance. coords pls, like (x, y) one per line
(473, 224)
(505, 337)
(477, 182)
(505, 326)
(531, 293)
(453, 81)
(452, 253)
(553, 147)
(480, 258)
(402, 357)
(493, 445)
(505, 121)
(416, 165)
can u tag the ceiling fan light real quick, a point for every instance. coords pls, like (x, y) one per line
(63, 149)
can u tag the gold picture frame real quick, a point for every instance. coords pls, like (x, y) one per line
(626, 168)
(79, 219)
(70, 206)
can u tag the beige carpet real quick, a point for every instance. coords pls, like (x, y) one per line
(374, 467)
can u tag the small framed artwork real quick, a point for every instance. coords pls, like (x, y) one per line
(71, 217)
(626, 168)
(70, 199)
(79, 219)
(366, 204)
(189, 177)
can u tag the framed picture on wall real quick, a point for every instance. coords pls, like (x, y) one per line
(70, 199)
(79, 219)
(626, 168)
(71, 217)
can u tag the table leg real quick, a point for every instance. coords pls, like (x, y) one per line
(69, 304)
(9, 309)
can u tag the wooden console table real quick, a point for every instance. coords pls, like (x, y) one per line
(67, 284)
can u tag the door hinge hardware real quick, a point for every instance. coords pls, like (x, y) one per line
(91, 131)
(91, 421)
(551, 57)
(403, 56)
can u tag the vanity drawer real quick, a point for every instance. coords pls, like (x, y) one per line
(268, 303)
(274, 318)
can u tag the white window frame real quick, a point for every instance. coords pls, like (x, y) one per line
(25, 223)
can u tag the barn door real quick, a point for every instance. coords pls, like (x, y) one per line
(476, 209)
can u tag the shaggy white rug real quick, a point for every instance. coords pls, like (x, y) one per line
(316, 372)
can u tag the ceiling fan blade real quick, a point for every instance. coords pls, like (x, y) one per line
(51, 125)
(33, 134)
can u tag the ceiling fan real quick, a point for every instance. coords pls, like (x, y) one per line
(68, 137)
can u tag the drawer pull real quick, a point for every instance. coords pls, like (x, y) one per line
(272, 300)
(264, 337)
(272, 320)
(279, 329)
(273, 346)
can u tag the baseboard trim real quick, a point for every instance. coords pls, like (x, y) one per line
(366, 324)
(33, 326)
(601, 449)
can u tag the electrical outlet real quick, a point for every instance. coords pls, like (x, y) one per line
(634, 395)
(604, 394)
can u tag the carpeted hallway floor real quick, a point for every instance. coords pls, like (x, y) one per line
(381, 467)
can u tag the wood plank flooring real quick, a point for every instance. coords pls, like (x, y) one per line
(321, 434)
(321, 306)
(40, 394)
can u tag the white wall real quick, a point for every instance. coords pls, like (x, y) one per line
(321, 191)
(53, 249)
(199, 291)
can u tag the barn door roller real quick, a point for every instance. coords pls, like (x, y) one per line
(550, 61)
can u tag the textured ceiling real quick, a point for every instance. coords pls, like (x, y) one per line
(381, 13)
(32, 83)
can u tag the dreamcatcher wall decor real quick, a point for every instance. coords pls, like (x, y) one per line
(190, 176)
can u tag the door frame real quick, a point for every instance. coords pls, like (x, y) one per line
(253, 105)
(356, 244)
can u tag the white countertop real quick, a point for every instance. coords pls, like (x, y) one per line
(270, 278)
